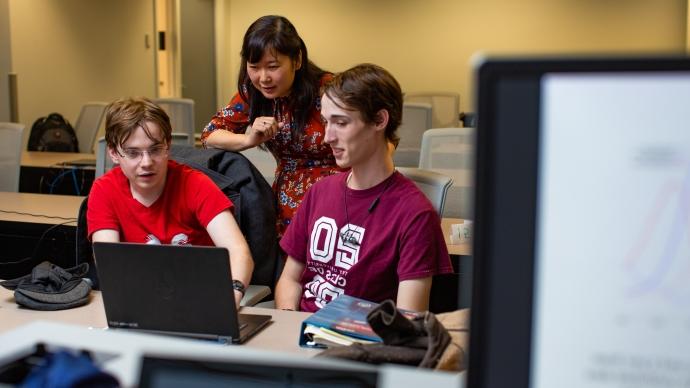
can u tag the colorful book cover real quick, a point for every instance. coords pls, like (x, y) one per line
(345, 315)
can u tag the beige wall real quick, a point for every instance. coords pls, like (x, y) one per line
(428, 45)
(5, 63)
(67, 52)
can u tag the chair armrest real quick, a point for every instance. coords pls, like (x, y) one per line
(254, 294)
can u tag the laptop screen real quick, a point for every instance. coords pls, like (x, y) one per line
(582, 236)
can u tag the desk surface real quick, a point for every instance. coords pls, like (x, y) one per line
(39, 208)
(51, 159)
(281, 334)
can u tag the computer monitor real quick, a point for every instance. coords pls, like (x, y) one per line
(159, 372)
(582, 229)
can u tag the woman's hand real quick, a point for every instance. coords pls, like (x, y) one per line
(263, 129)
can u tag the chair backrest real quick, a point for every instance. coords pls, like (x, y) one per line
(416, 118)
(103, 161)
(434, 185)
(447, 149)
(181, 112)
(10, 155)
(88, 124)
(445, 107)
(450, 151)
(179, 138)
(263, 161)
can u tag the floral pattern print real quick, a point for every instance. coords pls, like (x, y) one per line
(301, 161)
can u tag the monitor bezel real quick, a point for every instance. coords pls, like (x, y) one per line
(506, 204)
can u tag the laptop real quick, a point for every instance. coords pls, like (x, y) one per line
(80, 163)
(581, 232)
(169, 289)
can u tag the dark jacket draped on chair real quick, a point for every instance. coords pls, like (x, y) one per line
(255, 209)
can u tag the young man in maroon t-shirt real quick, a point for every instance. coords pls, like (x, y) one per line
(368, 232)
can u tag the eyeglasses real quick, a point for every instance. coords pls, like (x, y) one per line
(154, 152)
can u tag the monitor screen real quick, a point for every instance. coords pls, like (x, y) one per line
(582, 230)
(158, 372)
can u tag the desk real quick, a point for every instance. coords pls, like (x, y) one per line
(50, 172)
(280, 335)
(52, 159)
(24, 218)
(122, 351)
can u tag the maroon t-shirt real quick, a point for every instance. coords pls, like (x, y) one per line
(348, 250)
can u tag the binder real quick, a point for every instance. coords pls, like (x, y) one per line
(343, 319)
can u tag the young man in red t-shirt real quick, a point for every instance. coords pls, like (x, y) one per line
(368, 232)
(150, 199)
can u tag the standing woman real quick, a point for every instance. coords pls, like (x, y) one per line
(277, 106)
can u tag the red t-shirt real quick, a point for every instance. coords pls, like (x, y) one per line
(190, 200)
(400, 239)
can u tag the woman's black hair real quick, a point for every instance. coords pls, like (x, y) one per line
(278, 34)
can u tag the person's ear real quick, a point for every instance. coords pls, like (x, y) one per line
(114, 155)
(298, 61)
(381, 119)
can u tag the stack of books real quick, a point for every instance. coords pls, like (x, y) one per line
(341, 322)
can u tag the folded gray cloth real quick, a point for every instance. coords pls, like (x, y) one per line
(422, 332)
(419, 341)
(376, 354)
(48, 269)
(49, 287)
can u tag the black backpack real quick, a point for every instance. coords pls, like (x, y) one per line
(53, 133)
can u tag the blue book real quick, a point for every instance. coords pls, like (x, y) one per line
(341, 322)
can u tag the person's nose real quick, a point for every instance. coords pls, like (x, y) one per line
(146, 159)
(264, 76)
(329, 136)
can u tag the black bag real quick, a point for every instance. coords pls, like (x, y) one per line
(53, 133)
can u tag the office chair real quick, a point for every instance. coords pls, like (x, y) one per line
(10, 155)
(179, 138)
(181, 112)
(263, 161)
(434, 185)
(416, 118)
(445, 107)
(103, 161)
(468, 119)
(447, 148)
(450, 151)
(88, 124)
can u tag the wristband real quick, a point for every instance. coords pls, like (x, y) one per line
(238, 286)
